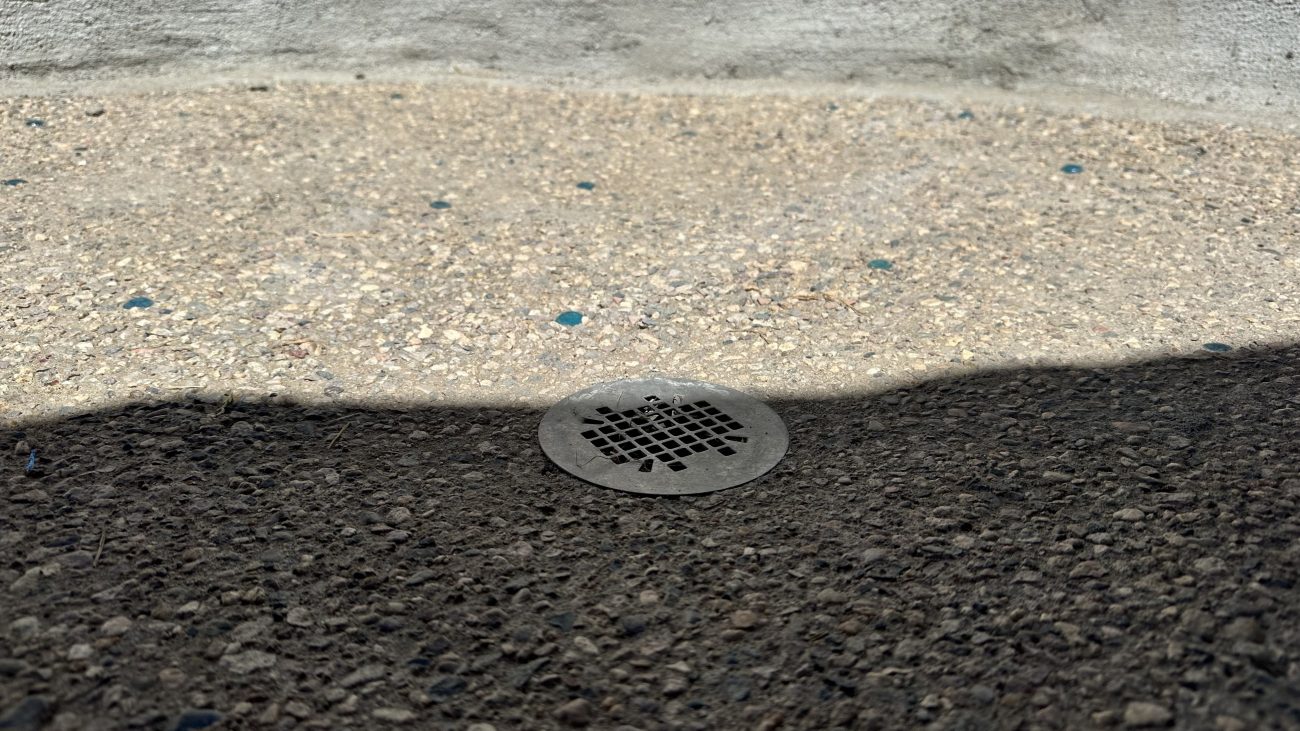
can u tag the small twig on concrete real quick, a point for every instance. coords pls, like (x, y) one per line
(593, 459)
(103, 536)
(226, 400)
(336, 437)
(830, 298)
(341, 234)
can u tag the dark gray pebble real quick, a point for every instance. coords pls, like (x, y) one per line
(445, 687)
(632, 624)
(28, 715)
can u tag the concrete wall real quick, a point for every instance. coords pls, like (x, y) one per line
(1239, 55)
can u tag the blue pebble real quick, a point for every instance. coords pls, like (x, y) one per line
(195, 719)
(31, 461)
(134, 302)
(440, 205)
(35, 122)
(966, 114)
(587, 185)
(1217, 347)
(881, 264)
(14, 182)
(570, 318)
(1071, 169)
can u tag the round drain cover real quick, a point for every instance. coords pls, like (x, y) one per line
(663, 436)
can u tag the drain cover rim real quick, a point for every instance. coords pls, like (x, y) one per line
(567, 434)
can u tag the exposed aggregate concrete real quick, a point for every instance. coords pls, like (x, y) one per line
(963, 535)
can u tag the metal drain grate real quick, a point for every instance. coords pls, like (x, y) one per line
(663, 436)
(664, 432)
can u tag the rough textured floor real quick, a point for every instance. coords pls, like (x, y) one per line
(962, 536)
(289, 242)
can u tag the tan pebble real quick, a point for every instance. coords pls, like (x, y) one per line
(576, 712)
(270, 715)
(393, 715)
(298, 617)
(116, 626)
(1144, 714)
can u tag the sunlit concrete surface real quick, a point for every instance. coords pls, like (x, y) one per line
(295, 241)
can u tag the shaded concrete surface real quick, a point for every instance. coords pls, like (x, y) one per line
(1237, 56)
(1031, 547)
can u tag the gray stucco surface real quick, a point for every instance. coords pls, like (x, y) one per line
(1230, 56)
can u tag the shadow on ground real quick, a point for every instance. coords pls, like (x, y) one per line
(1041, 548)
